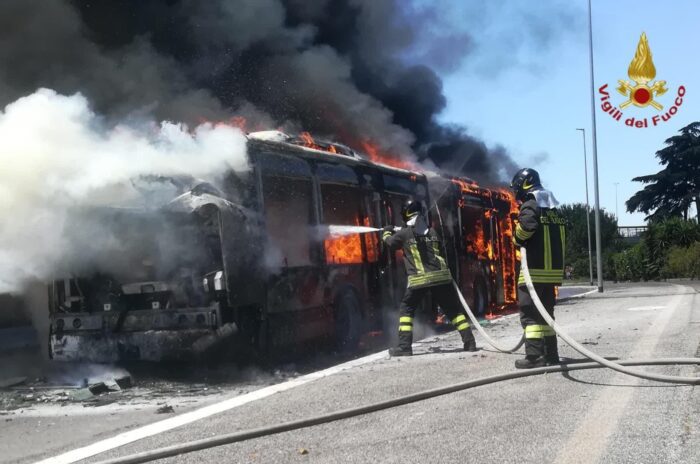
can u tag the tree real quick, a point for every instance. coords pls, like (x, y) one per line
(668, 248)
(662, 236)
(577, 237)
(671, 191)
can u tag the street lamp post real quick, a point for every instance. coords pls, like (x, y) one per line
(598, 248)
(588, 209)
(617, 218)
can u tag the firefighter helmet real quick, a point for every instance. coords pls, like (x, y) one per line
(524, 181)
(410, 209)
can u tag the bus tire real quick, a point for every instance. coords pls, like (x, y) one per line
(347, 314)
(480, 297)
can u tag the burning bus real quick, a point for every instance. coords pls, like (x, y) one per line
(253, 265)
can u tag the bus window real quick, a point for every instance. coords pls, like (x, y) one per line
(286, 166)
(288, 215)
(336, 173)
(344, 205)
(405, 186)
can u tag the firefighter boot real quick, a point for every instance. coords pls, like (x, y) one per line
(551, 350)
(530, 361)
(468, 340)
(534, 353)
(404, 348)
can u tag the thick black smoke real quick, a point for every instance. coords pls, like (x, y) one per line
(337, 68)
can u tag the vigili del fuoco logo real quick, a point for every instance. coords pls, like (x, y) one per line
(642, 91)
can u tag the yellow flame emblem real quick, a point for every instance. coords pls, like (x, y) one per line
(642, 71)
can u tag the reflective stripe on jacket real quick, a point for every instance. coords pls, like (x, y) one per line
(422, 258)
(542, 231)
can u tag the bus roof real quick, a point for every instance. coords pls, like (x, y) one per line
(279, 141)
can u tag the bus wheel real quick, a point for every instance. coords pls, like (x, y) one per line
(348, 321)
(480, 300)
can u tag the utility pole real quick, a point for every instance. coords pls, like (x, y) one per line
(598, 247)
(616, 216)
(588, 209)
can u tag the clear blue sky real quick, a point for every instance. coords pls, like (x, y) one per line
(525, 85)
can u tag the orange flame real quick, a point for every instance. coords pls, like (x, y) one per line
(239, 122)
(379, 157)
(476, 242)
(511, 255)
(466, 186)
(347, 249)
(371, 244)
(344, 249)
(310, 142)
(501, 251)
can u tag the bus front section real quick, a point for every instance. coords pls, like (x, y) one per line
(158, 287)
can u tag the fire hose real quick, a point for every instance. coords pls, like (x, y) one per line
(236, 437)
(587, 353)
(481, 330)
(599, 362)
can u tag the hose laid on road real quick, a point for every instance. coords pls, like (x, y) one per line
(236, 437)
(600, 362)
(587, 353)
(481, 330)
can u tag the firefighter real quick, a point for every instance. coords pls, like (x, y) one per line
(541, 230)
(427, 274)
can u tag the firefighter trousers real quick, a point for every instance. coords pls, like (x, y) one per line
(446, 296)
(540, 338)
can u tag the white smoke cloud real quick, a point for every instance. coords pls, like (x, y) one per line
(57, 155)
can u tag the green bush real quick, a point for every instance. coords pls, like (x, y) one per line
(661, 238)
(631, 264)
(668, 249)
(580, 266)
(582, 272)
(683, 262)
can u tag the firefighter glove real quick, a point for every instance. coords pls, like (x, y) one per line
(388, 229)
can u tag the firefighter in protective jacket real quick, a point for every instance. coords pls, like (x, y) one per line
(541, 230)
(427, 274)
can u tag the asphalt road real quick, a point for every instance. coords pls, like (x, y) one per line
(596, 416)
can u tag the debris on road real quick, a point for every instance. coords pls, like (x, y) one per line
(167, 409)
(98, 388)
(124, 382)
(82, 394)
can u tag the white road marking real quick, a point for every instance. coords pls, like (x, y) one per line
(586, 293)
(645, 308)
(578, 295)
(198, 414)
(588, 443)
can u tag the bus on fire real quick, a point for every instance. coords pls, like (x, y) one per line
(257, 268)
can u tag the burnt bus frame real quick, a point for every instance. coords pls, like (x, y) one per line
(377, 286)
